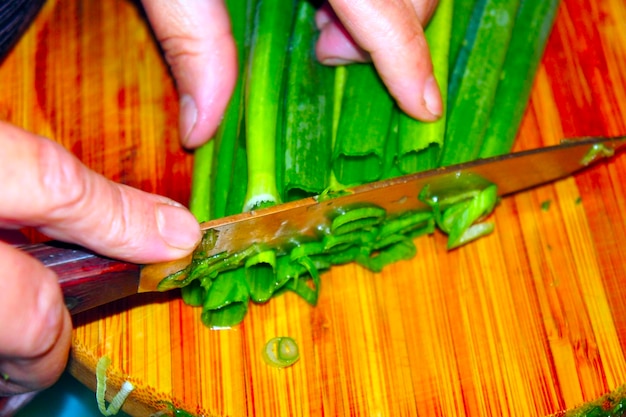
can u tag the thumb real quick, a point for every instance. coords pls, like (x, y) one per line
(198, 45)
(51, 190)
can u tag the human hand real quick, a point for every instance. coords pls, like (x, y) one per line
(391, 35)
(198, 46)
(46, 187)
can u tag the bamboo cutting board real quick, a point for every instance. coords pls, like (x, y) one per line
(529, 321)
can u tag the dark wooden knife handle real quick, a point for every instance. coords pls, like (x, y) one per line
(87, 280)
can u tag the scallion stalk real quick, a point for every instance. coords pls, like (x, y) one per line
(419, 143)
(263, 90)
(532, 27)
(364, 122)
(307, 113)
(475, 79)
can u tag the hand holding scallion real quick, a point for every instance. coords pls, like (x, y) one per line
(48, 188)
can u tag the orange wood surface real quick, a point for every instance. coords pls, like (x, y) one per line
(529, 321)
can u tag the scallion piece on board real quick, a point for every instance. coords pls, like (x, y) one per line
(101, 387)
(281, 352)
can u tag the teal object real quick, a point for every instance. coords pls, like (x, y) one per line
(66, 398)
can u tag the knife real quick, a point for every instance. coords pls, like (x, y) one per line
(89, 280)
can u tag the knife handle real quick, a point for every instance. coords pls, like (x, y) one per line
(87, 280)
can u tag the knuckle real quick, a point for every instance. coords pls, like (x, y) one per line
(180, 47)
(120, 225)
(46, 324)
(62, 179)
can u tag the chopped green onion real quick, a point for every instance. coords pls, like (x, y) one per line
(172, 411)
(193, 294)
(101, 387)
(377, 260)
(281, 352)
(358, 218)
(226, 301)
(597, 151)
(261, 275)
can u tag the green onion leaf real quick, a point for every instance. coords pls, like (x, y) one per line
(261, 275)
(364, 123)
(308, 112)
(419, 143)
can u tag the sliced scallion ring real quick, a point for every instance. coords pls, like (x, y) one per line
(281, 352)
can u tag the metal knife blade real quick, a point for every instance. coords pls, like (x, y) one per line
(277, 226)
(89, 280)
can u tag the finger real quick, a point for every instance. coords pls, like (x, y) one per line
(51, 190)
(393, 36)
(335, 46)
(36, 327)
(198, 45)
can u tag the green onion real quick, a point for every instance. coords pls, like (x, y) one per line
(202, 192)
(597, 151)
(264, 85)
(261, 276)
(101, 387)
(193, 294)
(475, 78)
(172, 411)
(364, 123)
(376, 260)
(227, 301)
(457, 215)
(419, 143)
(229, 131)
(533, 24)
(463, 10)
(357, 218)
(281, 352)
(308, 113)
(289, 114)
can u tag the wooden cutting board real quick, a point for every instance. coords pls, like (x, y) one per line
(527, 322)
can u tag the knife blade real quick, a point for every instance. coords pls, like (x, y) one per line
(89, 280)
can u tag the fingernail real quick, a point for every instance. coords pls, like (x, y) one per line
(432, 97)
(335, 61)
(322, 18)
(177, 226)
(188, 116)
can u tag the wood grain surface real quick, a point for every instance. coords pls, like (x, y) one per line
(529, 321)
